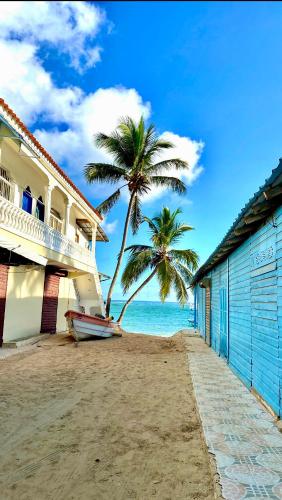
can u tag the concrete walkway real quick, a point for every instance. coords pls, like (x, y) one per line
(238, 430)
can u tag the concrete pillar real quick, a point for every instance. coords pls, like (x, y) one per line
(93, 244)
(48, 198)
(67, 217)
(33, 209)
(17, 195)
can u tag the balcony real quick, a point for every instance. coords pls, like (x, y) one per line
(19, 222)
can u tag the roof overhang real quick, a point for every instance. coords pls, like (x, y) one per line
(259, 208)
(8, 132)
(101, 235)
(104, 277)
(86, 227)
(22, 251)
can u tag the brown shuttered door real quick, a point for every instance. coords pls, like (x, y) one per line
(50, 302)
(208, 316)
(3, 292)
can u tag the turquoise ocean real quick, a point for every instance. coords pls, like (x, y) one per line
(154, 317)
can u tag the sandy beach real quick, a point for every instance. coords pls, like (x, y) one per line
(110, 420)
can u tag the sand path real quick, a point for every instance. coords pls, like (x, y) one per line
(109, 420)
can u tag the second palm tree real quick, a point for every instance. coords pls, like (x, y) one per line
(172, 267)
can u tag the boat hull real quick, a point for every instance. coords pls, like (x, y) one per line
(83, 326)
(83, 330)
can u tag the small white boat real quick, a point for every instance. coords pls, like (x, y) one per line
(83, 326)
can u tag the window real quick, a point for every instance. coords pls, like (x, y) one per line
(39, 210)
(27, 200)
(5, 184)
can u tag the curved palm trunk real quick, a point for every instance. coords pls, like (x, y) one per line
(120, 256)
(134, 295)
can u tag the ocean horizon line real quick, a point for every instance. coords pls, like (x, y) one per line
(154, 301)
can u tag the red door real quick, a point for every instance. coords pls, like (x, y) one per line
(50, 302)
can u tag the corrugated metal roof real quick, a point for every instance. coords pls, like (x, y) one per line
(252, 215)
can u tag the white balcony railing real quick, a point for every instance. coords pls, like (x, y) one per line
(18, 221)
(56, 223)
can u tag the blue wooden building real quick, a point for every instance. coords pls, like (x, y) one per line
(238, 294)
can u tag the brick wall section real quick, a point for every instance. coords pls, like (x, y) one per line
(3, 292)
(50, 303)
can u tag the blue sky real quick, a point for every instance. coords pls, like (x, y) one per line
(207, 72)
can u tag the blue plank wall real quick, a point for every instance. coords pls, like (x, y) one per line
(252, 275)
(240, 358)
(219, 280)
(215, 312)
(201, 304)
(279, 295)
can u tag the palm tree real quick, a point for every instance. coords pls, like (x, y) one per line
(137, 167)
(172, 267)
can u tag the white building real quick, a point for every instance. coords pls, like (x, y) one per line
(48, 234)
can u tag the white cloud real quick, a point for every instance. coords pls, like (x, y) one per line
(73, 116)
(185, 149)
(28, 87)
(30, 90)
(70, 27)
(109, 227)
(99, 111)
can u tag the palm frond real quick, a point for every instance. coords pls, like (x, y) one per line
(139, 140)
(152, 226)
(180, 289)
(166, 219)
(173, 183)
(188, 257)
(177, 232)
(165, 274)
(133, 139)
(127, 132)
(134, 249)
(157, 147)
(135, 215)
(150, 138)
(168, 230)
(167, 165)
(104, 172)
(185, 272)
(136, 265)
(116, 145)
(106, 205)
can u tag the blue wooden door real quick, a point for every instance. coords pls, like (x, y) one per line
(223, 323)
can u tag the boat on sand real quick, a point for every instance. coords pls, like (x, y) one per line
(83, 326)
